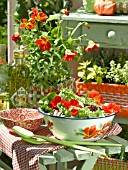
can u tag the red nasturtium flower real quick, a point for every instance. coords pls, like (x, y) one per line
(92, 45)
(74, 112)
(95, 96)
(87, 25)
(74, 102)
(16, 37)
(65, 103)
(27, 24)
(54, 102)
(65, 11)
(90, 132)
(69, 55)
(44, 44)
(111, 108)
(38, 16)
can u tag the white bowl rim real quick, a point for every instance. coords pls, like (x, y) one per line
(73, 118)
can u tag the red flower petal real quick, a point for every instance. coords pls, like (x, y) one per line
(74, 112)
(70, 56)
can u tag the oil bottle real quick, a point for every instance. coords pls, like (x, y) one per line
(19, 82)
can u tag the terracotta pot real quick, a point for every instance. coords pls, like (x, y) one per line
(111, 92)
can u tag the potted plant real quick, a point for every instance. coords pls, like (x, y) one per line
(111, 81)
(49, 53)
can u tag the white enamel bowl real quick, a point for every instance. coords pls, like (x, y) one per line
(77, 129)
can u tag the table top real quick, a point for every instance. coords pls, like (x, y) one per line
(26, 155)
(23, 154)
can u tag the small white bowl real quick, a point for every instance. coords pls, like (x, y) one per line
(78, 129)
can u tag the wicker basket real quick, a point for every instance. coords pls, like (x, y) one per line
(110, 164)
(111, 93)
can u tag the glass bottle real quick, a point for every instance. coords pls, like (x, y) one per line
(19, 82)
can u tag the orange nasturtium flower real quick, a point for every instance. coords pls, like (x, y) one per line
(38, 16)
(95, 96)
(44, 44)
(90, 132)
(27, 24)
(92, 45)
(69, 55)
(111, 108)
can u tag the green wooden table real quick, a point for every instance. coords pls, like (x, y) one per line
(65, 159)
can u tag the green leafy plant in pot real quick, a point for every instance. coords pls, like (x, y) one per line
(111, 81)
(48, 52)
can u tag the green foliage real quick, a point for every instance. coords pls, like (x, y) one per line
(3, 77)
(94, 73)
(117, 73)
(3, 14)
(3, 34)
(47, 6)
(3, 22)
(103, 56)
(48, 67)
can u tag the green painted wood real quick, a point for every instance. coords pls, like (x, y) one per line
(121, 120)
(61, 166)
(80, 155)
(47, 159)
(120, 140)
(103, 24)
(4, 166)
(42, 167)
(79, 16)
(63, 155)
(109, 149)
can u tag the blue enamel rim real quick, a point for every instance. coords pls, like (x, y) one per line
(71, 118)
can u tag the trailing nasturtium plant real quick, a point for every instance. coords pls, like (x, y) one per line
(48, 51)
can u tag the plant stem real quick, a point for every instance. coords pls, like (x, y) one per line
(69, 144)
